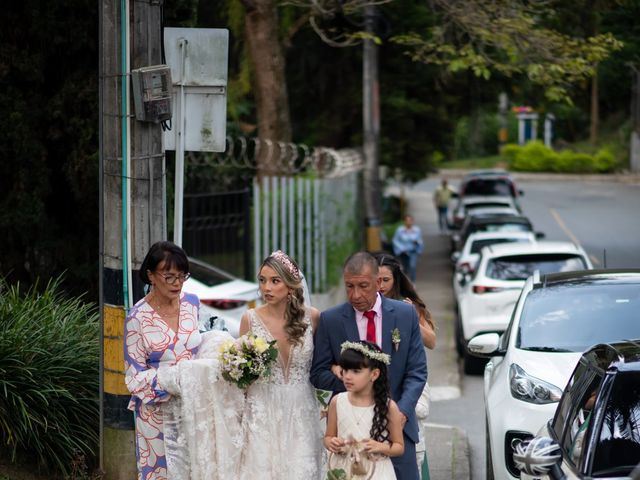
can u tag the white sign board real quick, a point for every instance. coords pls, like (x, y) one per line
(198, 58)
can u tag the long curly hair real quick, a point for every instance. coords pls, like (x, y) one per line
(352, 360)
(294, 327)
(403, 287)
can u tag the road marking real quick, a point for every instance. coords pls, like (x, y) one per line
(563, 226)
(570, 234)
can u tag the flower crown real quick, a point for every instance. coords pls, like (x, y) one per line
(366, 351)
(284, 259)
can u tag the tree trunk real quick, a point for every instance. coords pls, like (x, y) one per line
(270, 86)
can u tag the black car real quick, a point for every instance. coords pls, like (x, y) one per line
(595, 432)
(490, 223)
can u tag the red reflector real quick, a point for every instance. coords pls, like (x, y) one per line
(483, 289)
(223, 304)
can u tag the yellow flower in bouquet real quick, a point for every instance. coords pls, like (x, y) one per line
(246, 359)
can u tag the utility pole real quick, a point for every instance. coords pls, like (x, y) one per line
(371, 132)
(132, 192)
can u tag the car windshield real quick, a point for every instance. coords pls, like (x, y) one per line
(520, 267)
(480, 244)
(489, 186)
(573, 317)
(208, 276)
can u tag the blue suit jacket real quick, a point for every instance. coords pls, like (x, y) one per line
(408, 369)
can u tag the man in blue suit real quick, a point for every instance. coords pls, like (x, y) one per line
(393, 325)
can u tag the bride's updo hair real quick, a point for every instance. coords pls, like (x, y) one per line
(289, 272)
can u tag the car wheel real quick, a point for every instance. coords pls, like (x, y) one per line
(473, 365)
(488, 458)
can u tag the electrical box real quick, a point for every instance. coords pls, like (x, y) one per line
(152, 93)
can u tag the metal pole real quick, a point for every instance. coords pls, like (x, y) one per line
(371, 132)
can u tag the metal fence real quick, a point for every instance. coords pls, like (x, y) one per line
(305, 202)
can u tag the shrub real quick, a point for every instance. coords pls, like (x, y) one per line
(534, 157)
(49, 370)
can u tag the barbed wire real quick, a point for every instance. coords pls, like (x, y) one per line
(280, 158)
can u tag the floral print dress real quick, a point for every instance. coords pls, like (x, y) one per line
(149, 344)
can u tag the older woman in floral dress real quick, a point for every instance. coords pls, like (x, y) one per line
(161, 330)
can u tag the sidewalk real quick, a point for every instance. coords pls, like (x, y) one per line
(447, 446)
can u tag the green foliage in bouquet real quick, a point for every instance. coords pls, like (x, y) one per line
(246, 359)
(49, 373)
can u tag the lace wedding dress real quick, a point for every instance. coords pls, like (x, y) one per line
(281, 422)
(202, 424)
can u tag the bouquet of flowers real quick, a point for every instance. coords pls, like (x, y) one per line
(246, 359)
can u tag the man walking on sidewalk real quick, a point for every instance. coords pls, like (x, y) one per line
(441, 198)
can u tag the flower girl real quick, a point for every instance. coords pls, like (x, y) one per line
(364, 426)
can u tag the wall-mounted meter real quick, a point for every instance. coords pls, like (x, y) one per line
(152, 91)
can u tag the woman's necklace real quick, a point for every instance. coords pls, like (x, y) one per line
(170, 312)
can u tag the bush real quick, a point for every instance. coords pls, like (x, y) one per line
(536, 157)
(49, 371)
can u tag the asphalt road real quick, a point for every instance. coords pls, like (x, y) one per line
(600, 216)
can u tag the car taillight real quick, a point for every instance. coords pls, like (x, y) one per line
(482, 289)
(223, 304)
(466, 267)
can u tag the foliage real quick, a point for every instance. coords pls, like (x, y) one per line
(49, 360)
(536, 157)
(485, 36)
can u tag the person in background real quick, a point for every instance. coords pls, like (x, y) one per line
(395, 284)
(408, 246)
(441, 198)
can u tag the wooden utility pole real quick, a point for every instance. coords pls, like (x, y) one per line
(371, 133)
(132, 191)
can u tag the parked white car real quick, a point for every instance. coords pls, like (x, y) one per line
(556, 318)
(488, 295)
(223, 297)
(466, 260)
(467, 204)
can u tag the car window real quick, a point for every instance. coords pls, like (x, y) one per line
(618, 445)
(520, 267)
(581, 417)
(486, 186)
(478, 245)
(208, 276)
(572, 317)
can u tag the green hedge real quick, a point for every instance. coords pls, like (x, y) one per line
(49, 378)
(536, 157)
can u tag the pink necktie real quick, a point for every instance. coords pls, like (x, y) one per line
(371, 326)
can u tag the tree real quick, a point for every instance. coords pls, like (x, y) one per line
(508, 38)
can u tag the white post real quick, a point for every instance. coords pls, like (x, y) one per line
(257, 206)
(180, 124)
(292, 229)
(265, 221)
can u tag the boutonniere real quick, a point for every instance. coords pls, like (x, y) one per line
(395, 338)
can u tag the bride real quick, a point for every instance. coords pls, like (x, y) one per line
(281, 420)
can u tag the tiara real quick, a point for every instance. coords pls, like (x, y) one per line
(366, 351)
(284, 259)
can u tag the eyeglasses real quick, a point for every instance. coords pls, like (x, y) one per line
(171, 278)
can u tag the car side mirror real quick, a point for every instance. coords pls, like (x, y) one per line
(485, 345)
(540, 235)
(539, 456)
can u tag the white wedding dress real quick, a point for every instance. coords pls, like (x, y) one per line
(281, 422)
(203, 435)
